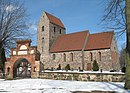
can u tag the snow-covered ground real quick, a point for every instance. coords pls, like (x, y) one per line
(56, 86)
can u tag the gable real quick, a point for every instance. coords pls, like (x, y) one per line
(54, 20)
(23, 47)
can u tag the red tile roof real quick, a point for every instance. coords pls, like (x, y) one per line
(69, 42)
(54, 20)
(76, 41)
(99, 41)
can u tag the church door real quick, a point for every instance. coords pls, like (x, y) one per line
(89, 66)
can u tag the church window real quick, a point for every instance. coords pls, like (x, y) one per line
(99, 56)
(60, 31)
(64, 57)
(42, 28)
(54, 30)
(91, 56)
(71, 56)
(54, 56)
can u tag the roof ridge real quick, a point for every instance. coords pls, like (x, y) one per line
(55, 20)
(76, 32)
(51, 15)
(103, 32)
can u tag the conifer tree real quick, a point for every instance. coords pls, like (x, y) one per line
(67, 67)
(95, 66)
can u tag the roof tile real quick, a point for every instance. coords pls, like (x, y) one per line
(75, 41)
(69, 42)
(54, 20)
(99, 41)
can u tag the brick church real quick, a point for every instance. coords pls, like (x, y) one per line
(78, 49)
(55, 47)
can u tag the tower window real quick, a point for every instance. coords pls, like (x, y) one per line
(54, 30)
(42, 28)
(54, 56)
(64, 57)
(60, 31)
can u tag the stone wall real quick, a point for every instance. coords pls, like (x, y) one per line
(106, 77)
(114, 54)
(105, 63)
(53, 35)
(59, 59)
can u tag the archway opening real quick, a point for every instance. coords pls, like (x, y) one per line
(22, 69)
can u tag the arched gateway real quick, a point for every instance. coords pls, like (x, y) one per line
(24, 61)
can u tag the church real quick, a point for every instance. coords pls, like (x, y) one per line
(78, 49)
(56, 48)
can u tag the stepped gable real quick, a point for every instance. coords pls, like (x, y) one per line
(99, 41)
(70, 42)
(54, 20)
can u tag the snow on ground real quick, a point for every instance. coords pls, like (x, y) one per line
(56, 86)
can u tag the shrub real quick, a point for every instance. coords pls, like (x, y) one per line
(95, 66)
(123, 69)
(67, 67)
(59, 67)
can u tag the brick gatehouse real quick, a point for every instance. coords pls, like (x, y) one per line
(24, 61)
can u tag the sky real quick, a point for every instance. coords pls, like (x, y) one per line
(76, 15)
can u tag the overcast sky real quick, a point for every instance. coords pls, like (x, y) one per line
(76, 15)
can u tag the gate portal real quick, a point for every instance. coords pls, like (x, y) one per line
(22, 69)
(24, 61)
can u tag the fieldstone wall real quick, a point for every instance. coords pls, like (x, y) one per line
(114, 54)
(43, 38)
(106, 77)
(54, 34)
(105, 63)
(59, 59)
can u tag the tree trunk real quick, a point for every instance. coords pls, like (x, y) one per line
(127, 81)
(2, 60)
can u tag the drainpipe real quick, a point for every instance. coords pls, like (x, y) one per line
(85, 42)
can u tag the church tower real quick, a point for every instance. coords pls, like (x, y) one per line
(49, 28)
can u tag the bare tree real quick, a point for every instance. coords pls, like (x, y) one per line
(122, 57)
(127, 15)
(114, 16)
(13, 26)
(118, 15)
